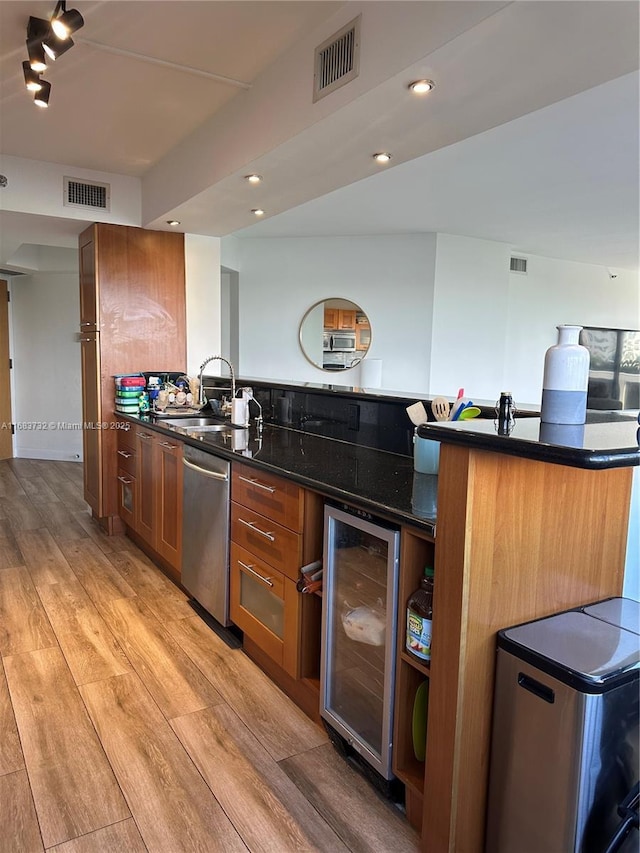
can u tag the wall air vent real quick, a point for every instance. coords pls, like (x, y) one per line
(337, 60)
(79, 193)
(518, 265)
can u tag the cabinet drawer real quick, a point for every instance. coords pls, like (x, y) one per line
(126, 497)
(270, 495)
(264, 605)
(278, 546)
(126, 459)
(126, 451)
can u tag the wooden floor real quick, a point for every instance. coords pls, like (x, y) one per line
(127, 724)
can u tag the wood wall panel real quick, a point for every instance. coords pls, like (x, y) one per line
(517, 540)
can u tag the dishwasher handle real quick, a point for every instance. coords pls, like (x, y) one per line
(214, 475)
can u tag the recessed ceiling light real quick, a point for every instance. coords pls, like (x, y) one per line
(257, 211)
(253, 179)
(382, 157)
(421, 87)
(173, 222)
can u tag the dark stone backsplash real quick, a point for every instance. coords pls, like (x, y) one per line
(346, 415)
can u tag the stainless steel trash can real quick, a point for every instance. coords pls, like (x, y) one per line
(565, 734)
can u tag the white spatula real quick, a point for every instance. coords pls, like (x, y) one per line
(417, 413)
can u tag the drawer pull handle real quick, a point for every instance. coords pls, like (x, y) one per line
(125, 454)
(146, 435)
(167, 445)
(255, 529)
(268, 581)
(125, 480)
(253, 482)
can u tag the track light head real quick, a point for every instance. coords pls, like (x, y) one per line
(64, 23)
(37, 58)
(37, 29)
(41, 98)
(31, 78)
(54, 47)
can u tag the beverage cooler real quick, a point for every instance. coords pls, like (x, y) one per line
(358, 634)
(564, 761)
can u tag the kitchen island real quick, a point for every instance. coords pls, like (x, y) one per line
(519, 536)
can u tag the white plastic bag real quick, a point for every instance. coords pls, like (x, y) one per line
(365, 625)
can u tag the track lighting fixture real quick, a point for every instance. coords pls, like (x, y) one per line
(48, 39)
(41, 98)
(31, 79)
(64, 23)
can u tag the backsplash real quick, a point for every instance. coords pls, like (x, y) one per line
(339, 413)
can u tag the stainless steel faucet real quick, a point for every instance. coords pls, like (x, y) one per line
(201, 397)
(249, 393)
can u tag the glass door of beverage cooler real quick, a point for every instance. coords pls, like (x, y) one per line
(359, 627)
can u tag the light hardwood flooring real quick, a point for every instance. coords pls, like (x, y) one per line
(127, 724)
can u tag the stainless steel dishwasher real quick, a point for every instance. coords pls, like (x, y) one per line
(205, 531)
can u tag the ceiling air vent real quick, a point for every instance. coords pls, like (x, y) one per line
(337, 60)
(78, 193)
(518, 265)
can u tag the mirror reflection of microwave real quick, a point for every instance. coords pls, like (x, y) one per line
(339, 342)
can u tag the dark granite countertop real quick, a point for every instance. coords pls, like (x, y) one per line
(606, 440)
(380, 482)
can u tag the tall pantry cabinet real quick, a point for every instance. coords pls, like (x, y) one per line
(132, 319)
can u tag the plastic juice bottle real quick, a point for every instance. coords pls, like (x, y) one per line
(419, 615)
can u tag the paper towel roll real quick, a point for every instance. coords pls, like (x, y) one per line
(371, 372)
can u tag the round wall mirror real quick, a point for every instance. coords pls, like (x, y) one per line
(335, 334)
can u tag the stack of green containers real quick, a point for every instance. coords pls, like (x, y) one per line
(128, 391)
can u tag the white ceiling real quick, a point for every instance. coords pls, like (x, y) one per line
(504, 148)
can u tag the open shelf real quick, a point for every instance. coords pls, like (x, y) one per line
(422, 667)
(407, 767)
(417, 550)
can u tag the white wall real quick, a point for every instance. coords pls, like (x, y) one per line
(47, 403)
(202, 271)
(445, 310)
(469, 317)
(390, 278)
(554, 292)
(38, 187)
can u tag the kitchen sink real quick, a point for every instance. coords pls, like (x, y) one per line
(196, 426)
(202, 422)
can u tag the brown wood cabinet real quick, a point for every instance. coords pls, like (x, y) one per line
(169, 501)
(363, 336)
(127, 474)
(276, 528)
(132, 315)
(150, 492)
(340, 319)
(517, 539)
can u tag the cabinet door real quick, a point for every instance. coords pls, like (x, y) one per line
(168, 474)
(331, 318)
(92, 417)
(127, 497)
(88, 282)
(346, 318)
(146, 503)
(265, 605)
